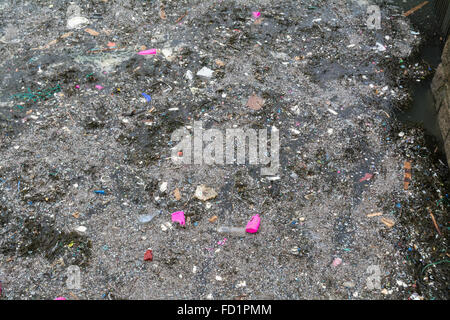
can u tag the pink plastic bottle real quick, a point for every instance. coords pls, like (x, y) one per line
(253, 224)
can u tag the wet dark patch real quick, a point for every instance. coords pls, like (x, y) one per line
(29, 237)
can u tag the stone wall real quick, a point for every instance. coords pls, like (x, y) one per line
(441, 91)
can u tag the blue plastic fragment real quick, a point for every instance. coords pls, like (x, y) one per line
(146, 96)
(99, 191)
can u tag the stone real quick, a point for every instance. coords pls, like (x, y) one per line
(255, 102)
(349, 284)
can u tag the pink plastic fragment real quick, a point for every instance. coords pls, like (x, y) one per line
(336, 262)
(179, 217)
(99, 87)
(256, 14)
(253, 224)
(222, 242)
(149, 51)
(77, 86)
(367, 176)
(60, 298)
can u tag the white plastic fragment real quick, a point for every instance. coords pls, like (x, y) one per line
(81, 229)
(163, 186)
(379, 47)
(332, 111)
(189, 75)
(77, 22)
(146, 218)
(205, 72)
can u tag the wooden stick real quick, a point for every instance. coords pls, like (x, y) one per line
(434, 222)
(411, 11)
(407, 178)
(180, 18)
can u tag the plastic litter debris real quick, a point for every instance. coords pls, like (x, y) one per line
(415, 296)
(205, 193)
(388, 222)
(168, 54)
(148, 256)
(177, 194)
(222, 242)
(60, 298)
(205, 72)
(146, 218)
(213, 219)
(366, 177)
(91, 32)
(401, 283)
(99, 87)
(235, 231)
(81, 229)
(99, 191)
(220, 63)
(147, 97)
(77, 22)
(386, 291)
(256, 14)
(407, 179)
(179, 217)
(166, 226)
(189, 75)
(376, 214)
(255, 102)
(163, 186)
(336, 262)
(146, 52)
(379, 47)
(411, 11)
(332, 111)
(111, 44)
(253, 224)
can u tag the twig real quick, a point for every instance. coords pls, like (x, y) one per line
(434, 222)
(181, 18)
(411, 11)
